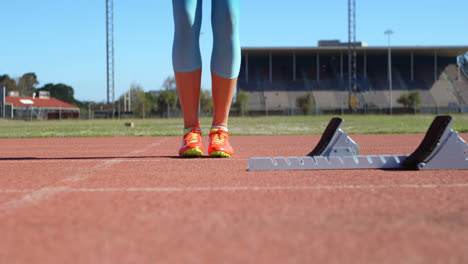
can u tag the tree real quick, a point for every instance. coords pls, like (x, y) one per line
(306, 103)
(139, 101)
(170, 84)
(61, 91)
(8, 83)
(240, 103)
(167, 99)
(169, 96)
(27, 84)
(153, 100)
(206, 101)
(410, 100)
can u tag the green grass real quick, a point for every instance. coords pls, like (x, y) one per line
(272, 125)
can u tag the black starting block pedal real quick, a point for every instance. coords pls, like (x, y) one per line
(335, 142)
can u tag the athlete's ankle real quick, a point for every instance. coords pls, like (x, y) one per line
(220, 127)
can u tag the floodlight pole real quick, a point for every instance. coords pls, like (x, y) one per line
(389, 32)
(352, 54)
(125, 102)
(110, 54)
(3, 98)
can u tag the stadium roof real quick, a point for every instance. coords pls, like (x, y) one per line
(37, 102)
(450, 51)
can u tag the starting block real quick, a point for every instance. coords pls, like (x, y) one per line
(441, 149)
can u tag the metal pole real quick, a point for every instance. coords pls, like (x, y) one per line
(390, 76)
(271, 70)
(354, 48)
(107, 48)
(247, 67)
(352, 54)
(110, 56)
(125, 102)
(435, 65)
(318, 66)
(365, 65)
(349, 48)
(341, 65)
(389, 32)
(89, 111)
(412, 66)
(3, 95)
(294, 65)
(113, 84)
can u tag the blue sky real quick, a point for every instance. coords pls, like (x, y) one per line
(64, 40)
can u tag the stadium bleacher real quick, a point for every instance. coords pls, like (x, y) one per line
(443, 95)
(459, 84)
(439, 87)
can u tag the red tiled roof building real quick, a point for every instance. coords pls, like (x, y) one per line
(44, 107)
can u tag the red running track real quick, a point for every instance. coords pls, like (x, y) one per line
(130, 200)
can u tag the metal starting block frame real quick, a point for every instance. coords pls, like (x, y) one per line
(441, 149)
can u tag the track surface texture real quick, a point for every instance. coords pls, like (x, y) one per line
(131, 200)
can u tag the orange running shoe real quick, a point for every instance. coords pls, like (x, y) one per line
(192, 146)
(219, 144)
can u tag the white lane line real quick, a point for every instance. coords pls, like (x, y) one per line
(105, 164)
(7, 191)
(247, 188)
(29, 199)
(34, 197)
(266, 188)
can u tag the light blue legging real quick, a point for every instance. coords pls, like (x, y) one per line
(226, 56)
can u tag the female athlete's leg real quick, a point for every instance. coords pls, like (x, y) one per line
(186, 58)
(226, 57)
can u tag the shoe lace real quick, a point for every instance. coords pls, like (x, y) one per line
(219, 137)
(193, 136)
